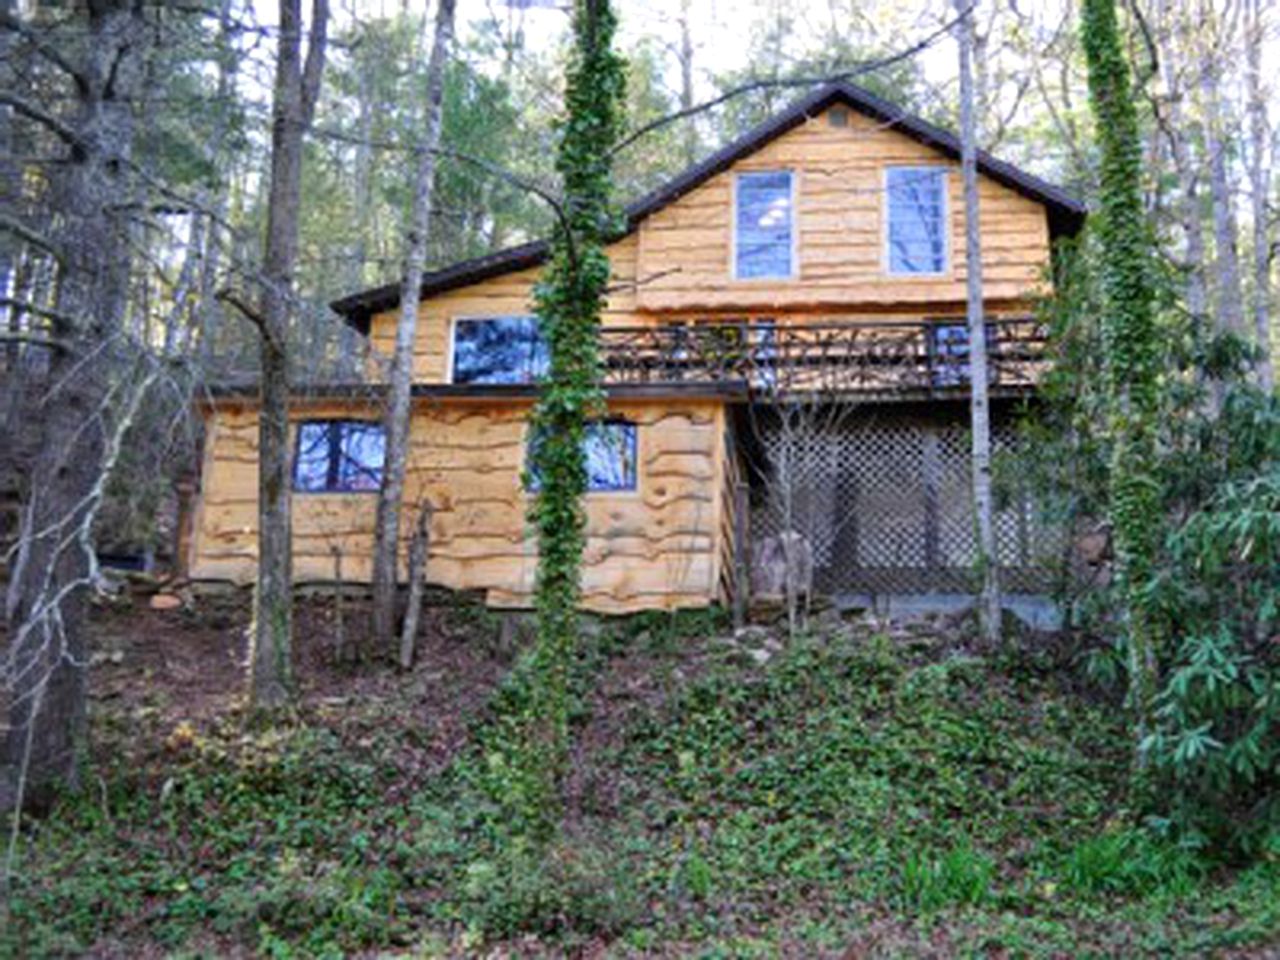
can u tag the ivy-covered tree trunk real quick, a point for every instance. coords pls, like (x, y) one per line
(1130, 349)
(569, 299)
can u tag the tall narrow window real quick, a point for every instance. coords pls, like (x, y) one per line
(916, 206)
(762, 240)
(339, 456)
(499, 350)
(610, 450)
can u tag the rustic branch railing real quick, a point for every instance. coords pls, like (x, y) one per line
(836, 356)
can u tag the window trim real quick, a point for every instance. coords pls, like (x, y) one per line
(886, 256)
(339, 491)
(451, 346)
(794, 176)
(637, 450)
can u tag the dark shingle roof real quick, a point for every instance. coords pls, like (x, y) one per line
(1066, 212)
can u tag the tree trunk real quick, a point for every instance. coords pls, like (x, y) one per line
(1181, 148)
(1229, 302)
(418, 550)
(1130, 338)
(690, 139)
(10, 188)
(296, 88)
(48, 584)
(988, 561)
(387, 538)
(362, 171)
(209, 311)
(1260, 184)
(569, 301)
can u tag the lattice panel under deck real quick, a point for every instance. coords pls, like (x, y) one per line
(885, 500)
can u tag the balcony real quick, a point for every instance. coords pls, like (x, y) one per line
(926, 358)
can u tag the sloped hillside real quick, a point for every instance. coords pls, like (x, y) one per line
(868, 790)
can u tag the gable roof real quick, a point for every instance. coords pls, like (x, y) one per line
(1066, 212)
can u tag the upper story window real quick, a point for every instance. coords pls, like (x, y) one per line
(339, 456)
(764, 225)
(499, 350)
(916, 208)
(610, 451)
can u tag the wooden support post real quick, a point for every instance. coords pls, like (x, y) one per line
(341, 651)
(185, 490)
(930, 474)
(741, 571)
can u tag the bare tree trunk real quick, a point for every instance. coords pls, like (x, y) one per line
(686, 85)
(980, 409)
(10, 186)
(1259, 183)
(48, 585)
(418, 550)
(386, 546)
(209, 310)
(1188, 174)
(362, 173)
(296, 88)
(1229, 302)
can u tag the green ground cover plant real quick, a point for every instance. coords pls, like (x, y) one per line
(853, 790)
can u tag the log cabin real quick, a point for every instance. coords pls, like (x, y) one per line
(785, 353)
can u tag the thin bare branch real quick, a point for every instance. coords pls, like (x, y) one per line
(42, 46)
(41, 116)
(857, 70)
(22, 231)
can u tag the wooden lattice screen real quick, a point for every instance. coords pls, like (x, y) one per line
(885, 502)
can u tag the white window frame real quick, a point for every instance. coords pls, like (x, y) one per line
(886, 255)
(794, 176)
(472, 318)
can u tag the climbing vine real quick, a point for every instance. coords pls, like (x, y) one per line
(1130, 347)
(568, 301)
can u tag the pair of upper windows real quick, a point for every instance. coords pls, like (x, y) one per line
(764, 222)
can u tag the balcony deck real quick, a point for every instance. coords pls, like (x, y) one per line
(759, 360)
(871, 359)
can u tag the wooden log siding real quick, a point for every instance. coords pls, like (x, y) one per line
(676, 264)
(840, 215)
(653, 548)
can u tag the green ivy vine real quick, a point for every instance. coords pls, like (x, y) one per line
(568, 300)
(1131, 348)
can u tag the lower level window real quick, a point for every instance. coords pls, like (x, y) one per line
(610, 451)
(339, 456)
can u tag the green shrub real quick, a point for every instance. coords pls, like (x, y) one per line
(1217, 740)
